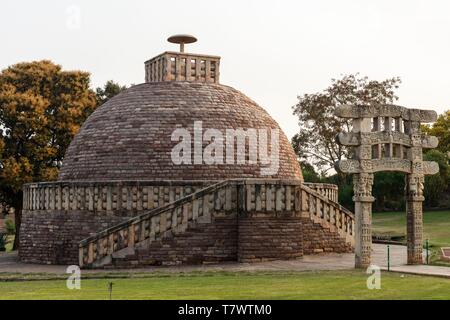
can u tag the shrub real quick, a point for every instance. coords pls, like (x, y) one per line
(10, 226)
(3, 241)
(346, 196)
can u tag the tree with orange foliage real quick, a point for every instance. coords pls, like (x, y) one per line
(41, 109)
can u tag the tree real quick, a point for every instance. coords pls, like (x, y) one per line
(345, 193)
(441, 129)
(436, 185)
(41, 109)
(109, 90)
(319, 126)
(388, 190)
(309, 173)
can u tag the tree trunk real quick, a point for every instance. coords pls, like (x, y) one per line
(2, 220)
(18, 219)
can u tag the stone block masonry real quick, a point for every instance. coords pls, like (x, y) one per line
(180, 223)
(200, 243)
(53, 237)
(269, 238)
(243, 239)
(320, 239)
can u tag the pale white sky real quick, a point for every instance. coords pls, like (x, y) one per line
(271, 50)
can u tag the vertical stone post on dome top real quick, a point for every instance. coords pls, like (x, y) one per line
(362, 187)
(379, 149)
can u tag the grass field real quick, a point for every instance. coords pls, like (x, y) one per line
(436, 229)
(304, 285)
(245, 285)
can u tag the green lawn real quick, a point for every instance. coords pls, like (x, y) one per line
(246, 285)
(219, 285)
(436, 228)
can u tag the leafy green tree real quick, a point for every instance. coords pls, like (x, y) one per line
(309, 174)
(436, 185)
(345, 185)
(109, 90)
(441, 129)
(41, 109)
(318, 124)
(388, 190)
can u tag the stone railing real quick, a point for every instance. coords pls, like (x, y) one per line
(328, 190)
(246, 197)
(328, 213)
(149, 226)
(137, 196)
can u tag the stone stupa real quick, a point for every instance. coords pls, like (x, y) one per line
(121, 200)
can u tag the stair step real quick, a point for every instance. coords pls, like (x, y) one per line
(131, 257)
(124, 262)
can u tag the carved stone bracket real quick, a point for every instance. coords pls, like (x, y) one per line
(362, 187)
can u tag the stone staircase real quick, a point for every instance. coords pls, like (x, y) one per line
(207, 225)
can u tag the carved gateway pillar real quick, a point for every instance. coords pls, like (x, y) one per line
(414, 186)
(362, 186)
(414, 217)
(387, 138)
(362, 189)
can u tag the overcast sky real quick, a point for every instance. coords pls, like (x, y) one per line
(271, 50)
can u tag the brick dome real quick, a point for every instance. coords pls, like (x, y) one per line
(129, 137)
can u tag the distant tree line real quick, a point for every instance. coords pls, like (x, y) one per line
(318, 151)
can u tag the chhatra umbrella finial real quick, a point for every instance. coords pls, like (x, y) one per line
(181, 39)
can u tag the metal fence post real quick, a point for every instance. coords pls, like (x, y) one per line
(389, 257)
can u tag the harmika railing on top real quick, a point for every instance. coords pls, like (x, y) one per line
(181, 66)
(223, 198)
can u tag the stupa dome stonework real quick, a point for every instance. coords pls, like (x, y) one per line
(121, 199)
(129, 137)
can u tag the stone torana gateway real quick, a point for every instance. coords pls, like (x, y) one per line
(120, 201)
(387, 138)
